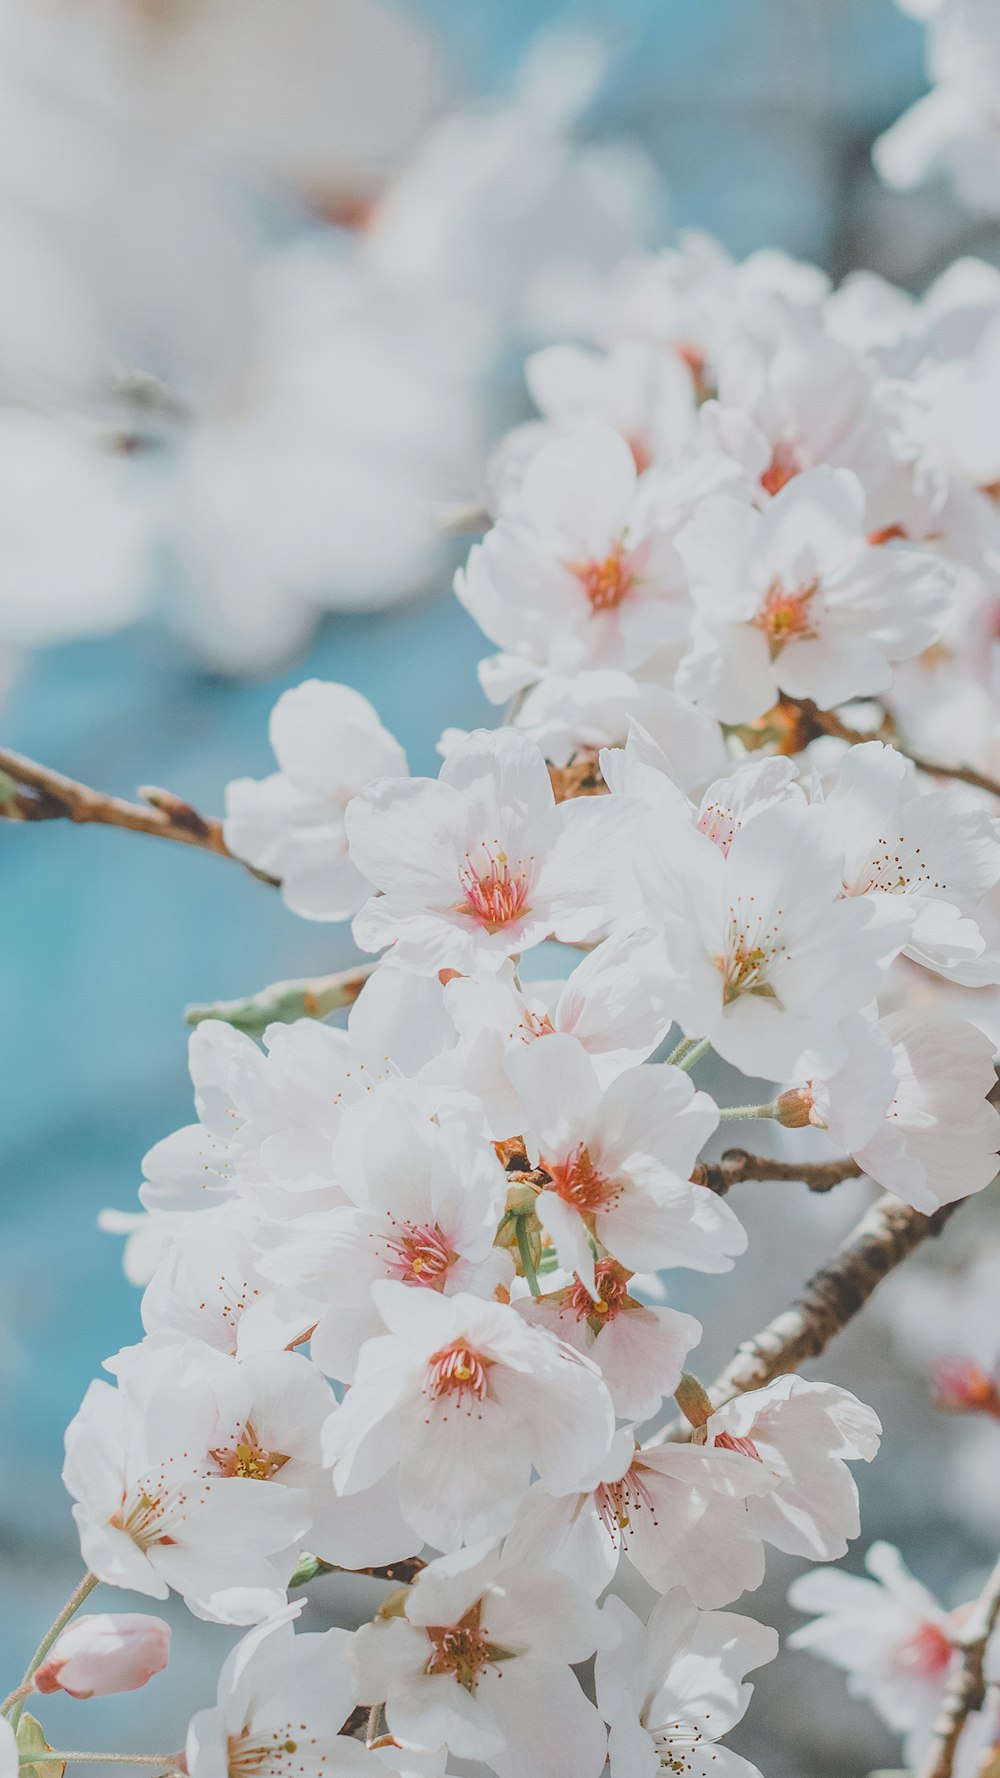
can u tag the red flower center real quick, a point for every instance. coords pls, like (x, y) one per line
(926, 1654)
(458, 1370)
(782, 469)
(785, 617)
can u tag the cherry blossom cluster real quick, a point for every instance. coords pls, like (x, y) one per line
(401, 1304)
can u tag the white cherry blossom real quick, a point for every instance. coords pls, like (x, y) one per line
(580, 569)
(619, 1163)
(281, 1702)
(911, 1103)
(329, 744)
(758, 949)
(479, 1662)
(936, 850)
(481, 864)
(461, 1398)
(671, 1687)
(795, 600)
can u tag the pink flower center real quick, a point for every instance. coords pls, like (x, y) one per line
(924, 1655)
(495, 896)
(606, 583)
(612, 1294)
(246, 1456)
(577, 1181)
(419, 1254)
(782, 469)
(463, 1649)
(618, 1502)
(784, 617)
(458, 1370)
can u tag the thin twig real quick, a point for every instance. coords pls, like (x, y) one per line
(966, 1689)
(283, 1002)
(827, 722)
(884, 1237)
(33, 792)
(736, 1166)
(78, 1597)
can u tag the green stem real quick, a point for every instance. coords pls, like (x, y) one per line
(527, 1263)
(15, 1702)
(166, 1761)
(693, 1054)
(729, 1112)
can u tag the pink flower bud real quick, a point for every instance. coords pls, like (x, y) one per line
(117, 1652)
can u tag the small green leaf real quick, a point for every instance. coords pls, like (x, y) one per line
(309, 1567)
(31, 1739)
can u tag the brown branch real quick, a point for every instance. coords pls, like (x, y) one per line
(32, 792)
(737, 1165)
(826, 722)
(966, 1690)
(886, 1235)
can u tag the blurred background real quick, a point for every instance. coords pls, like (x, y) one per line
(270, 268)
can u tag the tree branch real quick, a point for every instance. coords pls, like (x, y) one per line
(283, 1002)
(737, 1165)
(826, 722)
(966, 1690)
(32, 792)
(886, 1235)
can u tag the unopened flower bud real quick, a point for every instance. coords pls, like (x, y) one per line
(794, 1108)
(693, 1400)
(94, 1656)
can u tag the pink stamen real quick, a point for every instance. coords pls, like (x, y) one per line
(419, 1254)
(458, 1370)
(497, 896)
(726, 1442)
(612, 1294)
(618, 1502)
(577, 1181)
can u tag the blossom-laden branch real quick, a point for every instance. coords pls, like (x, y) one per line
(966, 1690)
(33, 792)
(886, 1235)
(282, 1003)
(737, 1165)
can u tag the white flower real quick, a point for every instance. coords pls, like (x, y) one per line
(806, 1433)
(9, 1759)
(280, 1704)
(670, 1688)
(482, 863)
(462, 1399)
(646, 394)
(151, 1518)
(794, 599)
(619, 1163)
(936, 850)
(426, 1201)
(594, 709)
(889, 1634)
(758, 949)
(329, 744)
(479, 1663)
(604, 1003)
(911, 1104)
(113, 1652)
(643, 771)
(679, 1512)
(208, 1286)
(639, 1349)
(580, 569)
